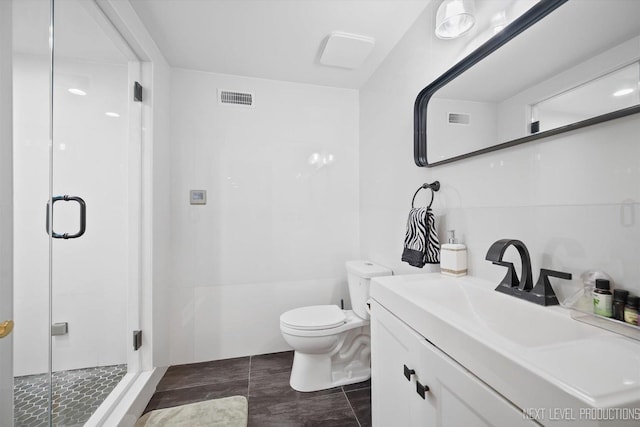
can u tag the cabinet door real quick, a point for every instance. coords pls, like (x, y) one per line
(458, 397)
(390, 390)
(395, 357)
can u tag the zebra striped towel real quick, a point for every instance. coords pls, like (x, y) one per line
(421, 245)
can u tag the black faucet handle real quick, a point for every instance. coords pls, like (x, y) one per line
(542, 292)
(553, 273)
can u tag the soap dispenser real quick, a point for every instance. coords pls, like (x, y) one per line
(453, 257)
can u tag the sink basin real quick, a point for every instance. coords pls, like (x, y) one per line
(538, 356)
(501, 316)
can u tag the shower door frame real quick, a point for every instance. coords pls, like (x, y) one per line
(130, 397)
(133, 239)
(128, 400)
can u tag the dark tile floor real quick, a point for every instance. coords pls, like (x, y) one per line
(264, 380)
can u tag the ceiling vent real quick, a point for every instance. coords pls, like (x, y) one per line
(229, 97)
(458, 118)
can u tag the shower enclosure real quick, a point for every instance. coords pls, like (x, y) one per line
(76, 211)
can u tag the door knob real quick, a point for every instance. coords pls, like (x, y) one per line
(5, 328)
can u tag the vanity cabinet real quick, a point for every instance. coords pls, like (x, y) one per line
(416, 384)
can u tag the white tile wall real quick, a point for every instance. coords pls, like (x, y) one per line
(573, 199)
(277, 227)
(237, 320)
(30, 159)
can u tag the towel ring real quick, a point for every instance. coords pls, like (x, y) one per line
(434, 186)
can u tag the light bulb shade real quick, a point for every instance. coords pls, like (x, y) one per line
(454, 18)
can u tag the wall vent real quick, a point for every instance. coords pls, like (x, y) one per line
(458, 118)
(230, 97)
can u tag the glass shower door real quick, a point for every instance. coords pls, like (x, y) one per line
(77, 209)
(92, 212)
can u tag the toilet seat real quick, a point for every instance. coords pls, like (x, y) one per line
(313, 318)
(351, 322)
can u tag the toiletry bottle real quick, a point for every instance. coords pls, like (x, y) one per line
(631, 310)
(453, 257)
(619, 300)
(602, 299)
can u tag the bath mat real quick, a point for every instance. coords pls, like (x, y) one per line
(227, 412)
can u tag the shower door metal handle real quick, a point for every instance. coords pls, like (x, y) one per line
(83, 217)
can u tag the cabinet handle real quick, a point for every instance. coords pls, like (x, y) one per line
(408, 372)
(421, 389)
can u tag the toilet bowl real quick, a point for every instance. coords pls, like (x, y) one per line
(332, 346)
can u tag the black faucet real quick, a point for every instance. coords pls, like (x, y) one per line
(542, 293)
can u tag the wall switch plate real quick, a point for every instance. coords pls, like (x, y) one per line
(198, 197)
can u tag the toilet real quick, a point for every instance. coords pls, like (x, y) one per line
(333, 346)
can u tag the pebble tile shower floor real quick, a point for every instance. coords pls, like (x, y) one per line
(264, 381)
(76, 395)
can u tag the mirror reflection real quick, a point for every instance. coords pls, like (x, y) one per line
(614, 91)
(559, 74)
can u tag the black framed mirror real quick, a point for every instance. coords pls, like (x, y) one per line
(560, 66)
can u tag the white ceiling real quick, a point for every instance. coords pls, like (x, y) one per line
(274, 39)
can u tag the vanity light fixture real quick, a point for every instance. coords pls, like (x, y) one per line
(623, 92)
(454, 18)
(111, 114)
(77, 91)
(499, 22)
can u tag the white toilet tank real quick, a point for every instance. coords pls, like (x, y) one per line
(359, 274)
